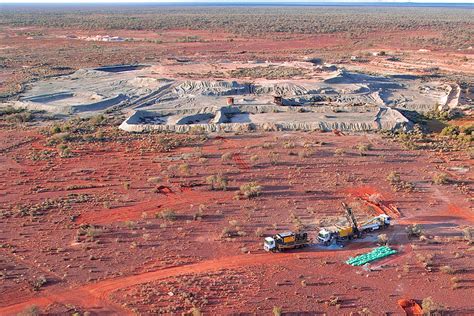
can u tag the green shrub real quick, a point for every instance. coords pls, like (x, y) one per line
(393, 177)
(339, 152)
(447, 270)
(184, 169)
(414, 230)
(430, 308)
(250, 190)
(440, 178)
(362, 148)
(55, 129)
(277, 311)
(38, 283)
(167, 214)
(468, 234)
(21, 117)
(227, 156)
(217, 182)
(30, 311)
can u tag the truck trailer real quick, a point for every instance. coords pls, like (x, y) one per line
(284, 241)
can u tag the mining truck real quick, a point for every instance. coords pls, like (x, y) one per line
(354, 230)
(284, 241)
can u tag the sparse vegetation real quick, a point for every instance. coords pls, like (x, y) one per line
(217, 182)
(30, 311)
(64, 151)
(393, 177)
(277, 311)
(16, 115)
(250, 190)
(229, 232)
(254, 159)
(305, 153)
(144, 193)
(363, 148)
(468, 234)
(382, 239)
(398, 184)
(167, 214)
(184, 169)
(268, 72)
(447, 270)
(196, 311)
(414, 230)
(333, 301)
(38, 283)
(430, 308)
(227, 156)
(339, 152)
(440, 178)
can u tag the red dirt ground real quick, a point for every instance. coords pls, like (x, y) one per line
(28, 57)
(132, 259)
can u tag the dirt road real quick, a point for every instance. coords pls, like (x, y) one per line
(94, 297)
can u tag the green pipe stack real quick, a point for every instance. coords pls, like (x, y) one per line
(375, 254)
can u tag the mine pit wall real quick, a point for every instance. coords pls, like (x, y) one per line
(38, 107)
(451, 101)
(72, 109)
(385, 119)
(195, 117)
(99, 106)
(46, 98)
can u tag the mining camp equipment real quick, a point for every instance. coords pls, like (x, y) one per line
(353, 230)
(284, 241)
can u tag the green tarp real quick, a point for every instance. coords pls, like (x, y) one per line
(375, 254)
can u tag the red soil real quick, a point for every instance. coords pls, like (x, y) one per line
(131, 249)
(411, 307)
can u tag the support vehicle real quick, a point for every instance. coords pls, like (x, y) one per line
(354, 230)
(284, 241)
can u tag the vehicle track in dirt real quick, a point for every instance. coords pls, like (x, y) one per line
(96, 296)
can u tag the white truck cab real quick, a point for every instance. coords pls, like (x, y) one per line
(269, 244)
(324, 235)
(385, 218)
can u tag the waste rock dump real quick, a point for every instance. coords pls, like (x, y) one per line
(315, 98)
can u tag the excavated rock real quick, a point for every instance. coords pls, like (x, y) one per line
(383, 119)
